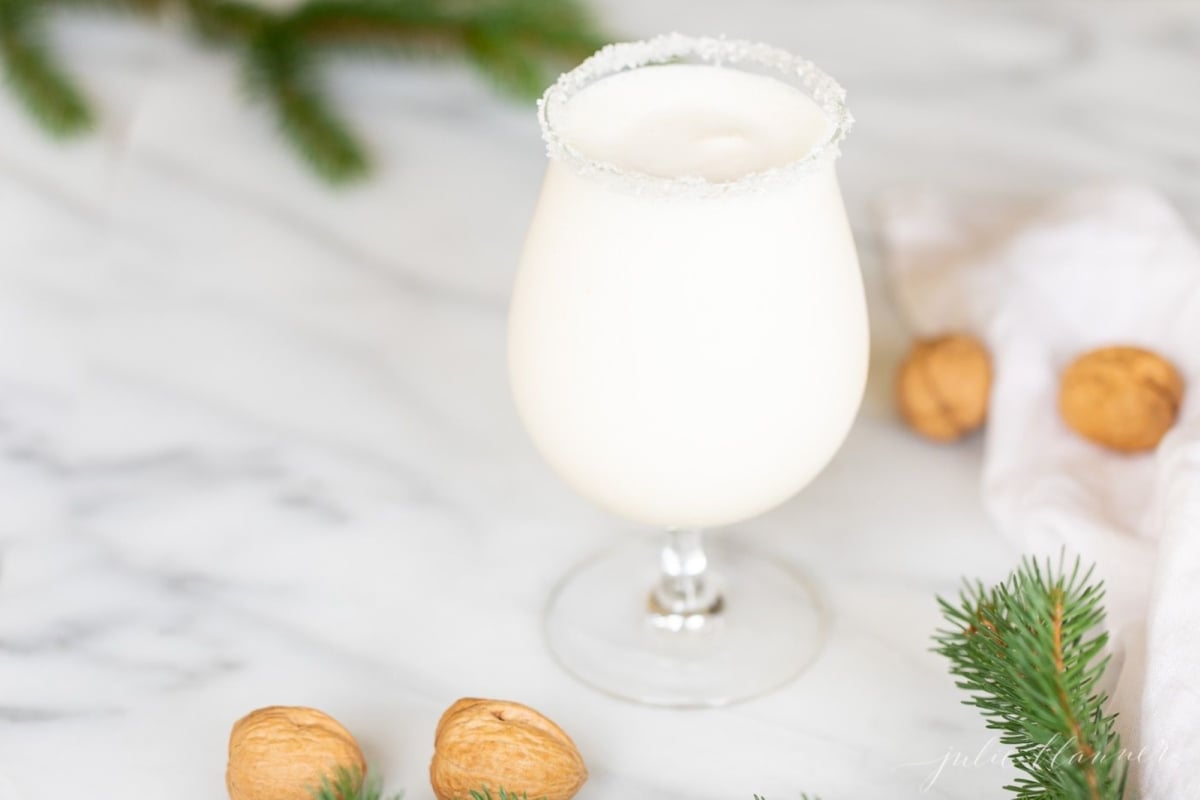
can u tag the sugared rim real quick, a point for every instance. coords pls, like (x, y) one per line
(614, 58)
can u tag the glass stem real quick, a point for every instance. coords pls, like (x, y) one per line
(686, 596)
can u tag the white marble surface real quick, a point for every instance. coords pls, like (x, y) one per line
(256, 445)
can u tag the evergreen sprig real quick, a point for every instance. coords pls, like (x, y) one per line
(34, 75)
(1031, 653)
(518, 44)
(280, 69)
(349, 784)
(486, 794)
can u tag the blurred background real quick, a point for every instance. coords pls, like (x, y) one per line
(255, 437)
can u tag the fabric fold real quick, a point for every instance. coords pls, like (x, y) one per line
(1041, 285)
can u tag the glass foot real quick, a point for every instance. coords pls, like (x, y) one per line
(608, 624)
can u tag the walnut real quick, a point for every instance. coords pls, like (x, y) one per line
(283, 752)
(1125, 398)
(501, 745)
(943, 385)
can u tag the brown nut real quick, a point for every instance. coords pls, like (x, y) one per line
(1125, 398)
(496, 745)
(942, 387)
(283, 752)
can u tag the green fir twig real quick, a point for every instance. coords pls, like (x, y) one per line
(34, 76)
(486, 794)
(1030, 651)
(150, 7)
(280, 70)
(349, 784)
(518, 44)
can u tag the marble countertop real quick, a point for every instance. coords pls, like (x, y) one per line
(256, 445)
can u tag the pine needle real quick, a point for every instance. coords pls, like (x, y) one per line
(512, 69)
(33, 74)
(486, 794)
(150, 7)
(519, 44)
(280, 70)
(1030, 652)
(228, 22)
(348, 784)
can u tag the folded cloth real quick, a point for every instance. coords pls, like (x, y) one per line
(1100, 266)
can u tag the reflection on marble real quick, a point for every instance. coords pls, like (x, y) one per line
(256, 445)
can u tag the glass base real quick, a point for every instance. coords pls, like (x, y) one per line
(604, 626)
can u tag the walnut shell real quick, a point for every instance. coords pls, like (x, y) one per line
(943, 385)
(282, 752)
(1125, 398)
(502, 745)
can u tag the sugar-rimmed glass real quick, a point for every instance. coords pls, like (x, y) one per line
(688, 353)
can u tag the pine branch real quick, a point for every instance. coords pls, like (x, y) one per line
(382, 24)
(519, 44)
(34, 76)
(139, 6)
(280, 70)
(348, 784)
(1030, 652)
(486, 794)
(511, 68)
(228, 21)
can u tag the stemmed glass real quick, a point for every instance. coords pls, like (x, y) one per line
(688, 353)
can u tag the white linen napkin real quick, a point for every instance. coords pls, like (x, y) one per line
(1104, 265)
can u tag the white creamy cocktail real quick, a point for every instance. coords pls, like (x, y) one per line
(688, 342)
